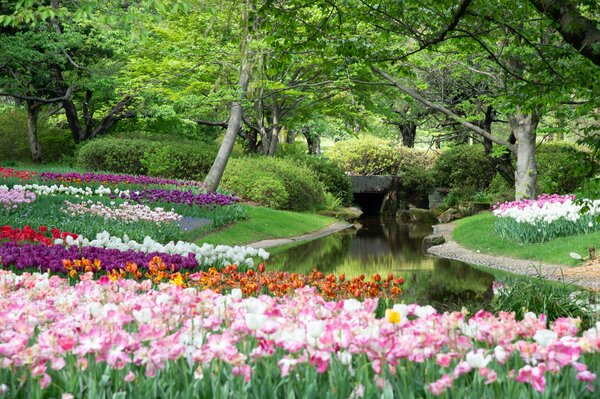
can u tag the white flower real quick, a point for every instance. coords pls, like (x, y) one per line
(315, 328)
(255, 321)
(501, 354)
(422, 312)
(545, 337)
(142, 316)
(478, 360)
(352, 305)
(236, 293)
(255, 306)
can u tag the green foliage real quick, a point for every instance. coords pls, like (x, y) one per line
(541, 297)
(464, 168)
(328, 172)
(366, 156)
(302, 189)
(14, 146)
(182, 159)
(500, 190)
(562, 167)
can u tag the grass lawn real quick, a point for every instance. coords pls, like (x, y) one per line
(477, 232)
(265, 223)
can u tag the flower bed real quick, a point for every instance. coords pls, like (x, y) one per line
(206, 254)
(134, 341)
(190, 198)
(27, 234)
(13, 198)
(546, 218)
(124, 212)
(40, 189)
(10, 173)
(102, 178)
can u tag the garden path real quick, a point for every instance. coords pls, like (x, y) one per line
(584, 276)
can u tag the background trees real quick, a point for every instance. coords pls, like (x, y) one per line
(263, 73)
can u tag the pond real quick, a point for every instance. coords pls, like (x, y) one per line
(384, 246)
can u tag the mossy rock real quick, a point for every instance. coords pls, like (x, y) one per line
(347, 214)
(425, 216)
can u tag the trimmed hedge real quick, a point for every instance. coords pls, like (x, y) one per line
(274, 182)
(464, 168)
(182, 160)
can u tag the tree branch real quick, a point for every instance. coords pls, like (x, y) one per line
(580, 32)
(40, 99)
(414, 94)
(223, 124)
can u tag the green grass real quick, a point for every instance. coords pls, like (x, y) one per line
(265, 223)
(477, 233)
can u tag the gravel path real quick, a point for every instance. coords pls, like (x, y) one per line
(332, 228)
(452, 250)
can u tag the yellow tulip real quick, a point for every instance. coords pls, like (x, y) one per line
(392, 316)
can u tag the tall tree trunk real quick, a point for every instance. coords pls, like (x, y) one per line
(408, 131)
(274, 132)
(33, 110)
(73, 121)
(291, 137)
(524, 128)
(235, 121)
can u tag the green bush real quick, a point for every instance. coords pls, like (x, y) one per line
(115, 155)
(464, 168)
(366, 156)
(334, 179)
(183, 160)
(562, 167)
(14, 143)
(261, 179)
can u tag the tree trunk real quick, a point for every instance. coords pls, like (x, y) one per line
(524, 128)
(408, 130)
(73, 121)
(274, 133)
(291, 137)
(32, 127)
(235, 121)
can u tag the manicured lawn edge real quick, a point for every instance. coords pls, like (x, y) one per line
(264, 224)
(477, 233)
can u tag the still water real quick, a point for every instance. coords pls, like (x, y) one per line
(384, 246)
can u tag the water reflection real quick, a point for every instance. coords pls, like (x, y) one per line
(384, 246)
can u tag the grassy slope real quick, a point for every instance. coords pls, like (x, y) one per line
(265, 223)
(477, 232)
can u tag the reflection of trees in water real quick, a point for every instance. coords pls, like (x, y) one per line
(384, 246)
(451, 284)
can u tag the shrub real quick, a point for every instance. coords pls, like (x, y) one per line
(334, 179)
(366, 156)
(562, 167)
(464, 168)
(115, 155)
(14, 145)
(302, 190)
(184, 159)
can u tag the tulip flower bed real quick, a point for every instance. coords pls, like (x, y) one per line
(548, 217)
(10, 173)
(124, 212)
(105, 178)
(11, 199)
(27, 234)
(122, 338)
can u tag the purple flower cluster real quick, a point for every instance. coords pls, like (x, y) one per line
(51, 257)
(149, 196)
(536, 203)
(115, 179)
